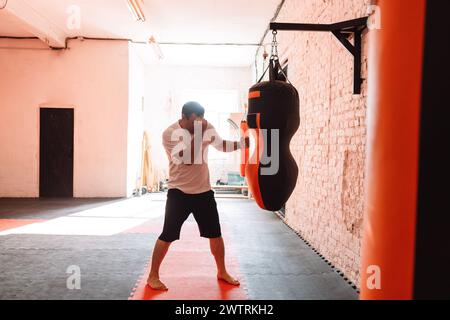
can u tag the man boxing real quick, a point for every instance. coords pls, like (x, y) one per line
(186, 143)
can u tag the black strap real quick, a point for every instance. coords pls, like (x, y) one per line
(262, 77)
(274, 67)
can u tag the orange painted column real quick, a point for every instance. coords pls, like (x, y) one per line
(395, 80)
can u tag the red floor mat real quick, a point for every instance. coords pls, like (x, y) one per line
(189, 271)
(6, 224)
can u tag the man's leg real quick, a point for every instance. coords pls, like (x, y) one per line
(218, 251)
(159, 252)
(176, 214)
(207, 217)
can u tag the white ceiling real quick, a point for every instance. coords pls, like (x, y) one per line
(169, 21)
(191, 55)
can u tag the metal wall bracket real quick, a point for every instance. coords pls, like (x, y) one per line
(343, 31)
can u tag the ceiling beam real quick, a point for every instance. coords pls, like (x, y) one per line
(32, 21)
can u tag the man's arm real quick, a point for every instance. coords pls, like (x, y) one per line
(235, 145)
(226, 145)
(197, 146)
(175, 145)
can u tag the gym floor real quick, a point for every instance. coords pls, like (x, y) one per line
(44, 243)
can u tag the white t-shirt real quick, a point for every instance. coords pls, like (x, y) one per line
(189, 178)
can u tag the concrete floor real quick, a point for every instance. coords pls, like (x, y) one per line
(111, 242)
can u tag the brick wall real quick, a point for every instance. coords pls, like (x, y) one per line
(327, 205)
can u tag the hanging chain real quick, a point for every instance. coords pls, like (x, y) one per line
(274, 58)
(274, 52)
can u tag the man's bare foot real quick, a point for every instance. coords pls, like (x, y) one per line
(156, 284)
(228, 279)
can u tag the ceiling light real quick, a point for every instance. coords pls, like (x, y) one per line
(136, 10)
(156, 48)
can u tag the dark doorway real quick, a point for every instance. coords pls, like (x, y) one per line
(56, 152)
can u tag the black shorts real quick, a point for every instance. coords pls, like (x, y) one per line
(180, 205)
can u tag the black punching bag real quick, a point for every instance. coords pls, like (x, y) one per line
(273, 105)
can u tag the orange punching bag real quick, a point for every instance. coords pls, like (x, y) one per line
(245, 152)
(405, 243)
(273, 118)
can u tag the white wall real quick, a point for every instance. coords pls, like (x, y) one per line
(104, 82)
(135, 120)
(91, 77)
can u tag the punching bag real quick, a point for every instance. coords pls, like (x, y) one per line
(405, 249)
(273, 119)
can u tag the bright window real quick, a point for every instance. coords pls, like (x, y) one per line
(219, 104)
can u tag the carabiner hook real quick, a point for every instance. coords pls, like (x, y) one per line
(274, 52)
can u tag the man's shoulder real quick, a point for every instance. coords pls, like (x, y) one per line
(170, 129)
(210, 126)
